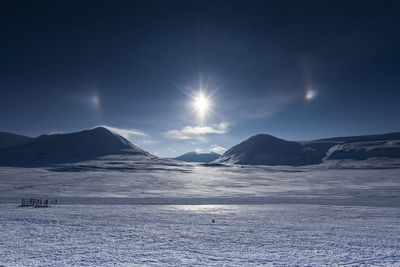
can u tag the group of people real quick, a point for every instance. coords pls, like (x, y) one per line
(37, 202)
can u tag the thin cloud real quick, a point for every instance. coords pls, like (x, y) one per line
(126, 133)
(199, 150)
(217, 149)
(267, 106)
(190, 132)
(147, 142)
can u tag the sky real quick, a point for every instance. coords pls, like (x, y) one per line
(180, 76)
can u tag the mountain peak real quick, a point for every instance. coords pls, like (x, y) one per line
(191, 153)
(265, 137)
(101, 129)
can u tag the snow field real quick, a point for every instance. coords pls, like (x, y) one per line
(184, 235)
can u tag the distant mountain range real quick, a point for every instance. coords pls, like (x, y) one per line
(64, 148)
(198, 157)
(261, 149)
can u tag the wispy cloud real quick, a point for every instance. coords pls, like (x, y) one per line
(126, 133)
(217, 149)
(190, 132)
(146, 142)
(267, 106)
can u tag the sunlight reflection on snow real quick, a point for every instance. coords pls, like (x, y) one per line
(218, 209)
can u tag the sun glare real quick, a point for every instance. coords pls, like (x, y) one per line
(201, 104)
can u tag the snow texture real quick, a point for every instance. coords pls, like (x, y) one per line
(261, 235)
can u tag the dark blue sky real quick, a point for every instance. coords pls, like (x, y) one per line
(135, 65)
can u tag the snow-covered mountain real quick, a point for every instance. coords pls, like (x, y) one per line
(198, 157)
(265, 149)
(365, 150)
(9, 139)
(71, 147)
(361, 147)
(365, 138)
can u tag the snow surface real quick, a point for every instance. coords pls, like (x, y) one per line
(96, 235)
(128, 210)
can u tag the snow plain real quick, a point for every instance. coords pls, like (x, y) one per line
(137, 211)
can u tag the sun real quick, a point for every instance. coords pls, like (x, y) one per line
(201, 104)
